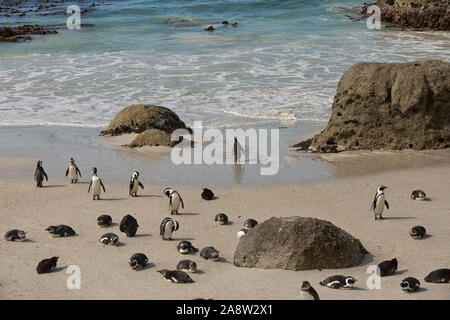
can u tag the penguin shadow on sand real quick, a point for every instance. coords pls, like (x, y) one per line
(181, 239)
(148, 196)
(111, 199)
(53, 186)
(396, 218)
(141, 235)
(188, 214)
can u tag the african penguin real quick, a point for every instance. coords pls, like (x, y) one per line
(241, 233)
(388, 268)
(207, 194)
(47, 265)
(250, 223)
(96, 184)
(134, 184)
(210, 253)
(174, 200)
(338, 281)
(39, 174)
(418, 195)
(221, 218)
(15, 235)
(73, 171)
(439, 276)
(184, 247)
(138, 261)
(410, 284)
(417, 232)
(104, 220)
(307, 292)
(379, 202)
(109, 238)
(187, 266)
(175, 276)
(167, 227)
(61, 230)
(128, 225)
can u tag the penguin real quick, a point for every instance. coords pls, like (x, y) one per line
(225, 22)
(410, 284)
(109, 238)
(241, 233)
(15, 235)
(210, 253)
(73, 171)
(418, 195)
(235, 24)
(61, 230)
(128, 225)
(175, 276)
(439, 276)
(47, 265)
(174, 200)
(207, 194)
(138, 261)
(250, 223)
(187, 266)
(210, 28)
(388, 268)
(184, 247)
(338, 281)
(167, 227)
(104, 220)
(417, 232)
(134, 184)
(39, 174)
(307, 292)
(96, 184)
(379, 202)
(221, 218)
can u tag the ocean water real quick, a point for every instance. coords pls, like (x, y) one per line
(282, 62)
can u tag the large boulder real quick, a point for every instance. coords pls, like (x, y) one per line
(298, 243)
(390, 106)
(152, 138)
(141, 117)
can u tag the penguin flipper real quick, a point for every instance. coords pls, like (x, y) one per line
(182, 203)
(387, 204)
(78, 171)
(131, 186)
(141, 185)
(101, 183)
(67, 172)
(90, 185)
(45, 175)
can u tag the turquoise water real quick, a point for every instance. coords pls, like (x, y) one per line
(282, 62)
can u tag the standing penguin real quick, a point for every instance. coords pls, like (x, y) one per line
(73, 171)
(167, 227)
(96, 184)
(47, 265)
(307, 292)
(134, 184)
(174, 200)
(128, 225)
(39, 174)
(379, 202)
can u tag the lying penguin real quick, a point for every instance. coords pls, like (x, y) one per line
(187, 266)
(138, 261)
(410, 284)
(207, 194)
(417, 232)
(47, 265)
(388, 268)
(418, 195)
(109, 238)
(210, 253)
(221, 218)
(175, 276)
(61, 230)
(185, 247)
(104, 220)
(128, 225)
(307, 292)
(338, 281)
(439, 276)
(15, 235)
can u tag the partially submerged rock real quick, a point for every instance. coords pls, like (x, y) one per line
(298, 243)
(152, 138)
(22, 33)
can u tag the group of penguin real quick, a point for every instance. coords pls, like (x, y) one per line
(386, 268)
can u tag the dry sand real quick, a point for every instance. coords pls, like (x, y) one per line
(105, 273)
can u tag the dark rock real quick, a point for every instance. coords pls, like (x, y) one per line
(152, 137)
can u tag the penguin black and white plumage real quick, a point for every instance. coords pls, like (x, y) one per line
(138, 261)
(135, 184)
(96, 184)
(241, 233)
(104, 220)
(250, 223)
(185, 247)
(174, 200)
(379, 202)
(338, 281)
(175, 276)
(221, 218)
(110, 238)
(167, 227)
(39, 174)
(47, 265)
(187, 266)
(418, 195)
(439, 276)
(388, 268)
(128, 225)
(210, 253)
(61, 230)
(15, 235)
(410, 284)
(417, 232)
(72, 171)
(307, 292)
(207, 194)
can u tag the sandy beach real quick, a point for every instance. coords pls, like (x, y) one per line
(105, 273)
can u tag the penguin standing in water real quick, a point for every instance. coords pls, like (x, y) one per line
(73, 171)
(96, 184)
(39, 174)
(167, 227)
(135, 184)
(379, 202)
(307, 292)
(174, 200)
